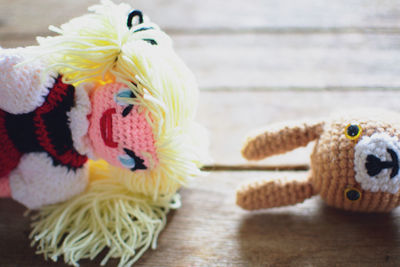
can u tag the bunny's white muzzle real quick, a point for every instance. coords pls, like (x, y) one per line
(376, 163)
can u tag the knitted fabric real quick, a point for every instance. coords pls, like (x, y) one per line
(37, 182)
(22, 89)
(379, 153)
(143, 105)
(44, 129)
(278, 139)
(333, 158)
(9, 154)
(38, 162)
(269, 194)
(78, 119)
(357, 175)
(114, 135)
(5, 190)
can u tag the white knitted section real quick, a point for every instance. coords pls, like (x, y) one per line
(37, 182)
(376, 145)
(22, 88)
(78, 120)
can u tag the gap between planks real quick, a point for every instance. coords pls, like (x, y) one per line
(250, 167)
(283, 30)
(229, 89)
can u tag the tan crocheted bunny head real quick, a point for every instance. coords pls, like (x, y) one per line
(354, 164)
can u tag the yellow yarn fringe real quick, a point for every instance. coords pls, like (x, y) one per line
(107, 216)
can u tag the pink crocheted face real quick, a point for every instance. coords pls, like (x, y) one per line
(118, 132)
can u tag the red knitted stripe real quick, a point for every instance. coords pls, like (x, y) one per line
(9, 155)
(70, 158)
(54, 97)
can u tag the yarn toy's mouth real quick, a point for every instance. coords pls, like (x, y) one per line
(376, 163)
(106, 128)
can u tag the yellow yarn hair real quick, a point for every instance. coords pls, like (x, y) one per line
(122, 210)
(107, 215)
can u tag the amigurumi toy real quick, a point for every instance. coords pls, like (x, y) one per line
(109, 86)
(354, 164)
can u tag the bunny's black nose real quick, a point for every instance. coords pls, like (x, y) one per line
(374, 165)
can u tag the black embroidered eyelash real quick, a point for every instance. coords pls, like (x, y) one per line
(139, 162)
(127, 110)
(137, 13)
(129, 107)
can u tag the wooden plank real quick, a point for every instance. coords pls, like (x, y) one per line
(210, 230)
(273, 15)
(289, 61)
(292, 61)
(32, 17)
(217, 233)
(24, 17)
(230, 116)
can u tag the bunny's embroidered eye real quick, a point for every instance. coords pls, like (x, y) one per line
(353, 131)
(352, 194)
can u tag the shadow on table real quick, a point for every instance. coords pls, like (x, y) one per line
(315, 234)
(15, 249)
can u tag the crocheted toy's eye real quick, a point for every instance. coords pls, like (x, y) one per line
(352, 194)
(119, 98)
(353, 131)
(124, 93)
(127, 161)
(138, 163)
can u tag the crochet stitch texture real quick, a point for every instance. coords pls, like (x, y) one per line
(341, 169)
(133, 106)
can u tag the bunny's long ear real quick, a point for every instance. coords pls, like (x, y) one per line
(278, 139)
(273, 193)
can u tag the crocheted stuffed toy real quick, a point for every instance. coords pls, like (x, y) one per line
(109, 86)
(354, 164)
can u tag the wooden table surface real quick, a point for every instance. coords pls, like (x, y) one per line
(257, 62)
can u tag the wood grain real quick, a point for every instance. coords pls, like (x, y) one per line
(273, 15)
(287, 61)
(255, 60)
(210, 230)
(292, 61)
(238, 50)
(21, 17)
(231, 116)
